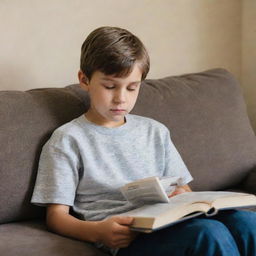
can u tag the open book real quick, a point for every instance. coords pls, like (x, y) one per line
(154, 216)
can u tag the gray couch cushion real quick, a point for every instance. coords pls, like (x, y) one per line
(32, 238)
(27, 120)
(207, 117)
(249, 183)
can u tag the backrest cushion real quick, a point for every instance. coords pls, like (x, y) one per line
(27, 121)
(207, 118)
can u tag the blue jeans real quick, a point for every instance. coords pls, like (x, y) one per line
(229, 233)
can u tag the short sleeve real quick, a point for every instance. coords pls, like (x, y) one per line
(174, 165)
(58, 172)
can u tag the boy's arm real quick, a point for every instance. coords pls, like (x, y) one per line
(114, 232)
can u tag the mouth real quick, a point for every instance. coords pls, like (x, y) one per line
(118, 111)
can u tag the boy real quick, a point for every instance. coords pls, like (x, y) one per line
(87, 160)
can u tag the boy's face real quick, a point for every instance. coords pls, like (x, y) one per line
(111, 97)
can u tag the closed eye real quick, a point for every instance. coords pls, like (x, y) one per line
(131, 89)
(109, 87)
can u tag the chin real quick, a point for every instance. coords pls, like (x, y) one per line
(117, 118)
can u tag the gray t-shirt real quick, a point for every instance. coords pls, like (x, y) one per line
(83, 165)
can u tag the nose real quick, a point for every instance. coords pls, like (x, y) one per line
(119, 96)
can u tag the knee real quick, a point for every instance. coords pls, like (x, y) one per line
(240, 221)
(211, 237)
(209, 230)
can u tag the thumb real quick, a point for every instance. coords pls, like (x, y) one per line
(124, 220)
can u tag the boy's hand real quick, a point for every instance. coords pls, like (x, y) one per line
(115, 231)
(180, 190)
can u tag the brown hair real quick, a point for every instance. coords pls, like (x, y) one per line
(113, 51)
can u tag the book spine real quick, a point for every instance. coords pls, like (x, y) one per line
(213, 211)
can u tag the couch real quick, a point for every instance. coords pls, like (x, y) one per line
(204, 111)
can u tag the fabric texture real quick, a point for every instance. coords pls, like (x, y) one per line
(84, 165)
(206, 115)
(27, 121)
(249, 183)
(27, 238)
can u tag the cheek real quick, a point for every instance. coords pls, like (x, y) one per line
(135, 96)
(133, 99)
(99, 96)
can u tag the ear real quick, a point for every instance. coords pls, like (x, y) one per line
(83, 80)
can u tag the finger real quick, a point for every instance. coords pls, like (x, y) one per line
(172, 194)
(177, 192)
(123, 220)
(123, 230)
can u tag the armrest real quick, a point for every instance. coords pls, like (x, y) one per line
(249, 184)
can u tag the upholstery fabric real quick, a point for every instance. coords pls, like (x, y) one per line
(249, 183)
(27, 121)
(32, 238)
(208, 122)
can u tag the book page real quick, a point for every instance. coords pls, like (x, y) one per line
(206, 196)
(185, 206)
(153, 210)
(149, 190)
(181, 201)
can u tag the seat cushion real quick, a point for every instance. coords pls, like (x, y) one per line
(32, 238)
